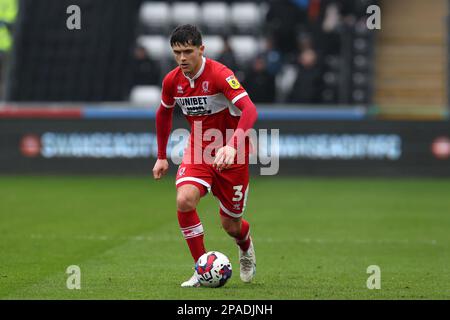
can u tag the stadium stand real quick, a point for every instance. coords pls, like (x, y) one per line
(293, 45)
(342, 52)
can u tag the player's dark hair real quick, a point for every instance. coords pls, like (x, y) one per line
(186, 34)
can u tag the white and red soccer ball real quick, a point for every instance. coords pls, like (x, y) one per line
(213, 269)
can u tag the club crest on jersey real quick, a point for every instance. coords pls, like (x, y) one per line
(233, 82)
(205, 86)
(181, 171)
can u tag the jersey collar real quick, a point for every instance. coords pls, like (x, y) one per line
(199, 73)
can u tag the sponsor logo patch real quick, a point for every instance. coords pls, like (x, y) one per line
(233, 82)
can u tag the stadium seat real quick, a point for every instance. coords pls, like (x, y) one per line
(244, 47)
(361, 28)
(332, 62)
(155, 16)
(213, 46)
(360, 62)
(360, 45)
(215, 17)
(360, 79)
(185, 12)
(246, 17)
(361, 70)
(330, 78)
(157, 46)
(146, 95)
(359, 96)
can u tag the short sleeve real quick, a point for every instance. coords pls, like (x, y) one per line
(167, 99)
(229, 85)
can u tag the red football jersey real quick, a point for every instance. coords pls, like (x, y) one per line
(207, 99)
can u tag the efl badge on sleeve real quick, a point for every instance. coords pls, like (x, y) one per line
(233, 82)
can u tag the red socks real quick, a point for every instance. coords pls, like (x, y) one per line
(192, 230)
(244, 238)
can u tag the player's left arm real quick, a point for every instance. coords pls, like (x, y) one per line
(236, 93)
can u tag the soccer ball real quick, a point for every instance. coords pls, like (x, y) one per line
(213, 269)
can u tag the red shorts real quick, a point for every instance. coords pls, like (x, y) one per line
(229, 186)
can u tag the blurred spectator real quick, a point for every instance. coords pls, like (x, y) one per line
(8, 15)
(146, 69)
(272, 57)
(323, 21)
(334, 16)
(227, 56)
(261, 83)
(283, 19)
(353, 10)
(329, 36)
(307, 85)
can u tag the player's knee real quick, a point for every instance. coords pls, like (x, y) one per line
(231, 227)
(186, 202)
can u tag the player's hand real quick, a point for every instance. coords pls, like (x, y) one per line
(224, 157)
(160, 168)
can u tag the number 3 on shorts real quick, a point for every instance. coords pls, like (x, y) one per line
(237, 193)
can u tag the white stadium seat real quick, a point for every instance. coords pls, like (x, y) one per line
(245, 47)
(213, 46)
(246, 16)
(185, 12)
(158, 47)
(149, 96)
(216, 16)
(155, 15)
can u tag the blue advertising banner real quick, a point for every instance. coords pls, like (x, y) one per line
(286, 147)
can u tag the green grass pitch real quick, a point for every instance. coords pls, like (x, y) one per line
(314, 238)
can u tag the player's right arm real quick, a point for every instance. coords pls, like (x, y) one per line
(163, 127)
